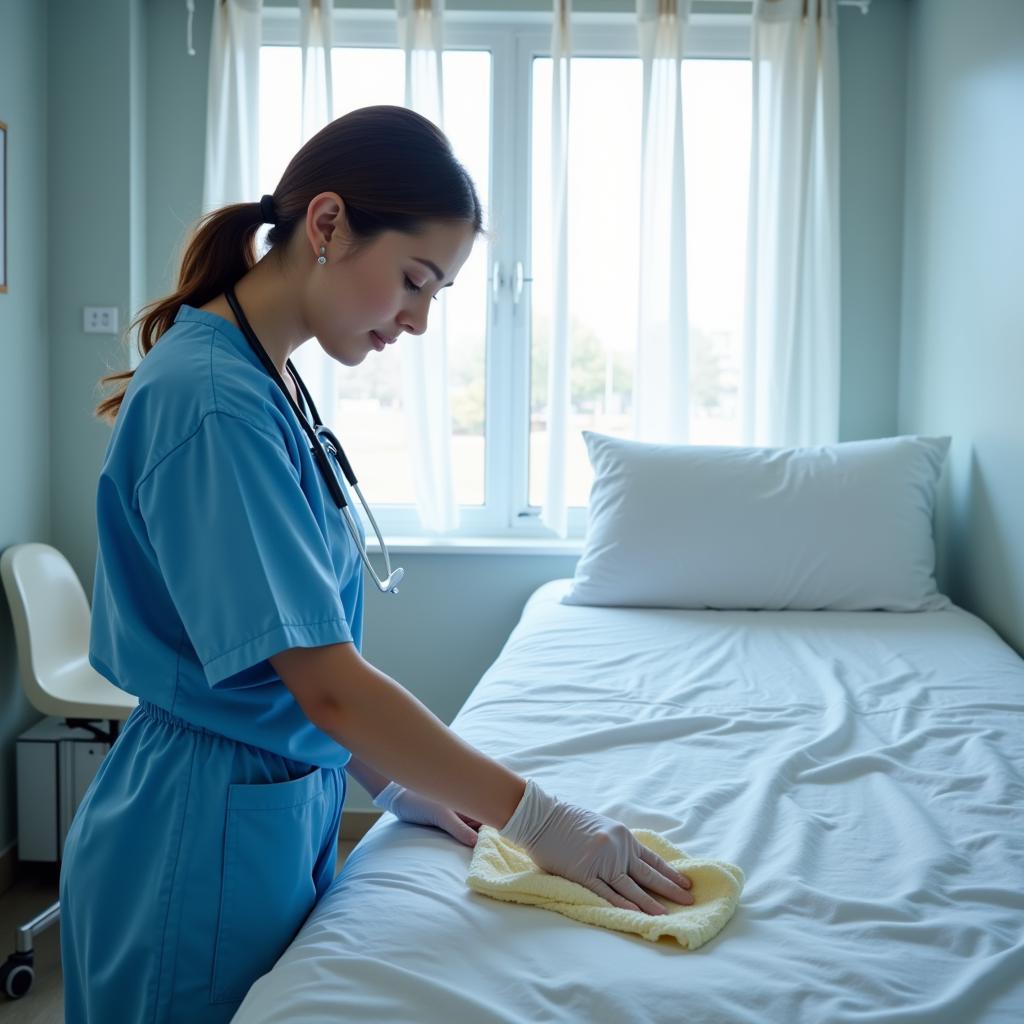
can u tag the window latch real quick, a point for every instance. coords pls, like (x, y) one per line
(496, 281)
(518, 280)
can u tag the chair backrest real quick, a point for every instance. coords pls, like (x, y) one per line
(50, 613)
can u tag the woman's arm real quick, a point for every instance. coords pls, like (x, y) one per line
(383, 724)
(369, 778)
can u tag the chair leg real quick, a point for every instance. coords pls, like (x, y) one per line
(18, 973)
(39, 923)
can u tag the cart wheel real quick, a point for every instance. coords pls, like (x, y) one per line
(17, 975)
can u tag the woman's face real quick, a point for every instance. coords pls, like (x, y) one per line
(388, 288)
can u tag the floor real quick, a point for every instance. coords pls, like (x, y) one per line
(32, 893)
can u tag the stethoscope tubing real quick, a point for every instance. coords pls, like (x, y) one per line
(320, 436)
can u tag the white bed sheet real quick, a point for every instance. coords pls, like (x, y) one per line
(865, 769)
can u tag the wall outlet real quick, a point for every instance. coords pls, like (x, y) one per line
(99, 319)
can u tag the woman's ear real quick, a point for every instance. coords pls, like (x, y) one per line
(325, 220)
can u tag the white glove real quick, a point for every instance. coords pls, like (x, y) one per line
(408, 805)
(593, 850)
(384, 798)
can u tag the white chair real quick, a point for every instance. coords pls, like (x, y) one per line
(51, 630)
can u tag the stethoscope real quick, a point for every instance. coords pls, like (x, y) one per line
(322, 440)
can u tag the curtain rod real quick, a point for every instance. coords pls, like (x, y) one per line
(526, 5)
(707, 5)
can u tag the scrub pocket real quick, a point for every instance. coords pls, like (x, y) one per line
(272, 840)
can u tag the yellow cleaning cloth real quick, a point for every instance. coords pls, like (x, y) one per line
(505, 871)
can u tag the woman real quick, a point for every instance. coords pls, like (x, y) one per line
(229, 597)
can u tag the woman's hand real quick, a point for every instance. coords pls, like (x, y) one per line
(408, 805)
(594, 851)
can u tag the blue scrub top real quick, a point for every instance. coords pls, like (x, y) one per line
(219, 544)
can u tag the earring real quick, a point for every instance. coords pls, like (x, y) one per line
(322, 259)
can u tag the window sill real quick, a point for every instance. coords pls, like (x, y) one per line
(478, 545)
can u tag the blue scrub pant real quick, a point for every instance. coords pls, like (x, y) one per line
(190, 865)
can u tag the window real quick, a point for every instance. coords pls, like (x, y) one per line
(497, 72)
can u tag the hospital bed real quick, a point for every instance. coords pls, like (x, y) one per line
(865, 769)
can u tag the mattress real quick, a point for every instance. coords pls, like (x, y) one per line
(864, 769)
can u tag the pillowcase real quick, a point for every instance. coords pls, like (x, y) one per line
(843, 527)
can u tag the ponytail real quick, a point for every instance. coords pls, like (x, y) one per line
(221, 251)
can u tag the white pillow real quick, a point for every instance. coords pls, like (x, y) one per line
(845, 526)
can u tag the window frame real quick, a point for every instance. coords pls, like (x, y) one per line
(514, 39)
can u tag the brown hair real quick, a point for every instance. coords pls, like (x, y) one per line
(395, 170)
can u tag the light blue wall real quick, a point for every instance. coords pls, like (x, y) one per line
(175, 103)
(71, 91)
(872, 125)
(24, 337)
(95, 178)
(962, 349)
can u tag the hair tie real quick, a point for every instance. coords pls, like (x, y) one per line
(267, 209)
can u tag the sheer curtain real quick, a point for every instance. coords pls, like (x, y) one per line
(790, 380)
(661, 393)
(231, 170)
(555, 512)
(662, 376)
(424, 359)
(316, 368)
(315, 41)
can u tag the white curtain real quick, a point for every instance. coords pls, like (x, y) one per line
(315, 41)
(424, 359)
(231, 171)
(554, 511)
(315, 367)
(790, 379)
(661, 402)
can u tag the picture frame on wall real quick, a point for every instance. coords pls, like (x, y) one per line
(3, 207)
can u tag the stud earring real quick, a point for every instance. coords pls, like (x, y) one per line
(322, 259)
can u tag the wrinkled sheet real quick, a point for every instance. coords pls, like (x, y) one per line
(864, 769)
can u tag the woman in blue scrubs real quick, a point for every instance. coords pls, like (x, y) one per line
(210, 830)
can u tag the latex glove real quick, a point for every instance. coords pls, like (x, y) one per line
(593, 850)
(408, 805)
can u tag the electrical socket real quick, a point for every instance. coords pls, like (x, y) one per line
(99, 319)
